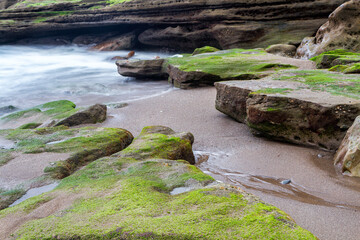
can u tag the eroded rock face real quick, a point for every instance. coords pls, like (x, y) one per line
(142, 68)
(347, 157)
(340, 31)
(123, 42)
(93, 114)
(288, 111)
(174, 24)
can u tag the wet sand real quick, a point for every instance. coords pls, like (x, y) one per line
(318, 198)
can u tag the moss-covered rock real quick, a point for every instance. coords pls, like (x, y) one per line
(56, 152)
(336, 57)
(205, 69)
(206, 49)
(160, 142)
(305, 107)
(51, 111)
(120, 197)
(56, 113)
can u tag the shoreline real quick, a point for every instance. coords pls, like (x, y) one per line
(325, 197)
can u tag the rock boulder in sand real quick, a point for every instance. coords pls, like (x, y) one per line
(93, 114)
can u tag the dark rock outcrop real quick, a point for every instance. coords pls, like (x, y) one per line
(340, 31)
(347, 157)
(175, 24)
(93, 114)
(142, 68)
(123, 42)
(288, 111)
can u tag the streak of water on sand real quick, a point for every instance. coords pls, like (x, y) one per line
(266, 184)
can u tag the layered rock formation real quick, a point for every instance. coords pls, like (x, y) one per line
(175, 24)
(301, 107)
(340, 31)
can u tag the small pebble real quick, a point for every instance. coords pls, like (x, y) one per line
(320, 155)
(287, 181)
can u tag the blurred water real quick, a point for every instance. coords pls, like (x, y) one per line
(31, 75)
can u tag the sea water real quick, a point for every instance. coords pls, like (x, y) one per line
(32, 75)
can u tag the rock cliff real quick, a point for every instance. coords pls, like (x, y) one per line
(181, 24)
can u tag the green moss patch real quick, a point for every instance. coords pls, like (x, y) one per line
(334, 83)
(129, 199)
(206, 49)
(84, 144)
(336, 57)
(273, 91)
(9, 196)
(49, 111)
(229, 64)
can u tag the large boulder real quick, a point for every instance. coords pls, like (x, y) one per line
(93, 114)
(285, 50)
(294, 109)
(142, 68)
(342, 30)
(207, 68)
(347, 157)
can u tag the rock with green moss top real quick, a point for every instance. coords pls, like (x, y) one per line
(30, 125)
(206, 49)
(51, 111)
(336, 57)
(347, 157)
(55, 113)
(45, 154)
(122, 197)
(160, 142)
(7, 197)
(312, 108)
(93, 114)
(205, 69)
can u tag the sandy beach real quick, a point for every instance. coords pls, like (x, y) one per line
(318, 198)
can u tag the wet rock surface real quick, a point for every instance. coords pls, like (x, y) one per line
(125, 192)
(142, 69)
(93, 114)
(347, 157)
(40, 155)
(290, 110)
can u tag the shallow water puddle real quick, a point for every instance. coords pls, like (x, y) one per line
(35, 192)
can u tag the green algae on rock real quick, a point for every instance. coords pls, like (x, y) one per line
(52, 110)
(206, 49)
(66, 149)
(336, 57)
(205, 69)
(55, 113)
(312, 108)
(122, 197)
